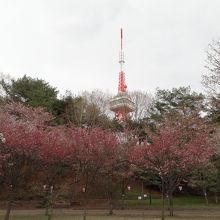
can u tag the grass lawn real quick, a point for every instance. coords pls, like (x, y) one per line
(103, 218)
(179, 202)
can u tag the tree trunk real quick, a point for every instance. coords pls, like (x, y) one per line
(216, 197)
(85, 204)
(205, 195)
(123, 194)
(150, 197)
(170, 203)
(123, 201)
(46, 202)
(163, 202)
(84, 214)
(49, 207)
(110, 205)
(9, 206)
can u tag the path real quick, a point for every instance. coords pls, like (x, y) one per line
(212, 212)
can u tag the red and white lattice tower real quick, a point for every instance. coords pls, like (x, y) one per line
(121, 104)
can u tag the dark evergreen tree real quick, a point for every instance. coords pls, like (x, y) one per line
(31, 91)
(176, 101)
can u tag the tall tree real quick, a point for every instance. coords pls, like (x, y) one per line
(34, 92)
(143, 103)
(96, 152)
(99, 99)
(211, 80)
(176, 101)
(174, 150)
(83, 111)
(216, 161)
(97, 109)
(22, 128)
(70, 110)
(54, 162)
(206, 179)
(7, 80)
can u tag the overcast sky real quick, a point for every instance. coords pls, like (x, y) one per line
(74, 44)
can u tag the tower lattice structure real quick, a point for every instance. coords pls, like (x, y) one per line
(121, 104)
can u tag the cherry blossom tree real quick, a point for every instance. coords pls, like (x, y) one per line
(53, 161)
(22, 128)
(172, 152)
(115, 171)
(96, 150)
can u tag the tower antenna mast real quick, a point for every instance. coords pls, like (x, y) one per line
(121, 53)
(122, 85)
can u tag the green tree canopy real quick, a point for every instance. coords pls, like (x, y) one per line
(34, 92)
(176, 101)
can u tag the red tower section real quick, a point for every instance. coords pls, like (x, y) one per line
(122, 87)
